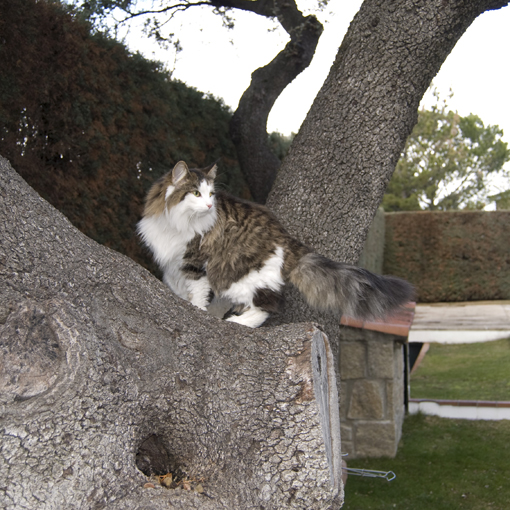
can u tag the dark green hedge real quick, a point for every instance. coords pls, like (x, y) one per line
(90, 126)
(451, 256)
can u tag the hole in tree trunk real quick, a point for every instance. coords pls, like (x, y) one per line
(153, 458)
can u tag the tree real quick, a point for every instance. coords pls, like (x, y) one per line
(326, 193)
(502, 200)
(248, 126)
(331, 183)
(446, 163)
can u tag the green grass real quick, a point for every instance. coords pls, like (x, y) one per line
(478, 371)
(441, 464)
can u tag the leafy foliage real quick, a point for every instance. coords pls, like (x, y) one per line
(446, 163)
(280, 144)
(91, 126)
(502, 200)
(450, 255)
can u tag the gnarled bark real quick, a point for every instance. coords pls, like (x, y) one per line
(103, 372)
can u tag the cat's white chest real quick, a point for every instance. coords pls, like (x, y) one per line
(167, 236)
(168, 244)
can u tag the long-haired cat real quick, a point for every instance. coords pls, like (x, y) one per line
(209, 243)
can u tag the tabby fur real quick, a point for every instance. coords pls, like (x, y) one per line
(209, 243)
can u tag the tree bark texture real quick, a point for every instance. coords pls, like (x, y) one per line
(331, 183)
(103, 372)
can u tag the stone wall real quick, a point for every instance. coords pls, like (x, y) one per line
(372, 392)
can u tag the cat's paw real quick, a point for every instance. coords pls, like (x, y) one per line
(252, 317)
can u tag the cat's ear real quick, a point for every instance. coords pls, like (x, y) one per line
(179, 172)
(212, 172)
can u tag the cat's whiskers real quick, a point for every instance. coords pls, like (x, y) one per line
(191, 218)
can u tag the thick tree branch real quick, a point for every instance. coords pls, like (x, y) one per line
(248, 126)
(104, 373)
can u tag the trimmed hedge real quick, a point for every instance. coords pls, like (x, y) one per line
(450, 256)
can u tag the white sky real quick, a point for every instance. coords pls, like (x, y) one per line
(220, 61)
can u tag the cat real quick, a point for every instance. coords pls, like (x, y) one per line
(210, 244)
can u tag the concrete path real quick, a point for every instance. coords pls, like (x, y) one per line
(477, 321)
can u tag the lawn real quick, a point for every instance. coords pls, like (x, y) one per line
(478, 371)
(441, 464)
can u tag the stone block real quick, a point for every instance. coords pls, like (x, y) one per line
(395, 400)
(345, 433)
(376, 439)
(399, 361)
(345, 398)
(367, 401)
(381, 361)
(352, 360)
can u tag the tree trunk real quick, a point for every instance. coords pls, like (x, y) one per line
(105, 374)
(331, 183)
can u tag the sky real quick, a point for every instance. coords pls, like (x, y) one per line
(220, 61)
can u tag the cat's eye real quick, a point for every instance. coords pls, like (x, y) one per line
(211, 193)
(196, 193)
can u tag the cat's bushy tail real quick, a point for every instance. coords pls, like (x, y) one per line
(358, 293)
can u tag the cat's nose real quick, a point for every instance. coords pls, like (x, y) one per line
(209, 205)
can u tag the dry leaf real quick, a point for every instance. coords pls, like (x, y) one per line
(167, 480)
